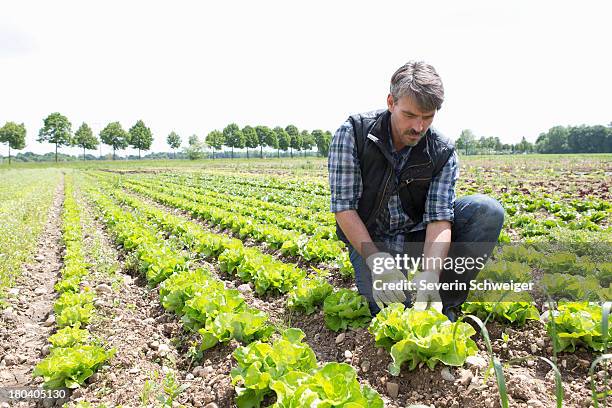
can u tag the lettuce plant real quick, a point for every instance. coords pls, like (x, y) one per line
(308, 294)
(259, 364)
(504, 311)
(346, 308)
(70, 366)
(333, 385)
(421, 336)
(576, 324)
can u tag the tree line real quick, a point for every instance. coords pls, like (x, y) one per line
(257, 137)
(57, 130)
(558, 139)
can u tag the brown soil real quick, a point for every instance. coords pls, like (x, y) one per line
(151, 346)
(29, 320)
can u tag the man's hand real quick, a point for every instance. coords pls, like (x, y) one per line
(385, 275)
(426, 298)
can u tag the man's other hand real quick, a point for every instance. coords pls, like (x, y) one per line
(387, 280)
(427, 297)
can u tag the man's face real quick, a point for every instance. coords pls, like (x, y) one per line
(408, 123)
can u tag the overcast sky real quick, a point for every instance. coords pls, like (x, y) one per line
(509, 69)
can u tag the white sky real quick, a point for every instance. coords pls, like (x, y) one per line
(510, 69)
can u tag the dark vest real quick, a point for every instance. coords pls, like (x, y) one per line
(371, 131)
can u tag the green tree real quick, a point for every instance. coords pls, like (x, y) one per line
(114, 135)
(283, 140)
(588, 139)
(295, 140)
(140, 137)
(233, 137)
(553, 141)
(466, 141)
(272, 139)
(497, 145)
(265, 137)
(56, 129)
(174, 141)
(250, 138)
(524, 146)
(322, 140)
(14, 135)
(308, 141)
(85, 138)
(195, 148)
(216, 140)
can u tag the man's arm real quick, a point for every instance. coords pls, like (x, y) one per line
(437, 243)
(439, 215)
(346, 187)
(356, 232)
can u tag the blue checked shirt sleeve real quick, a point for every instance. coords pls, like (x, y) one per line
(344, 171)
(440, 202)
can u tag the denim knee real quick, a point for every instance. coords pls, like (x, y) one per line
(491, 210)
(487, 211)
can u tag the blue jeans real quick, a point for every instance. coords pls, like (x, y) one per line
(475, 230)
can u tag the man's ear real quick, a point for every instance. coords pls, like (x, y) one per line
(390, 102)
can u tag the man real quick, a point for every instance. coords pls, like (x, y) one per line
(392, 178)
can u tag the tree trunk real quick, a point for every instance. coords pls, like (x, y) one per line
(174, 154)
(247, 152)
(56, 152)
(291, 152)
(113, 153)
(9, 153)
(232, 152)
(139, 153)
(278, 152)
(261, 152)
(83, 153)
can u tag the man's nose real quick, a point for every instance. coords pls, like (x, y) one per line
(418, 126)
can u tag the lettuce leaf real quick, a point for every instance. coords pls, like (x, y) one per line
(346, 308)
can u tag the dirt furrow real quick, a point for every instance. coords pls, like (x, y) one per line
(151, 347)
(29, 320)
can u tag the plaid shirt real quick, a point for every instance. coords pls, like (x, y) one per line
(392, 222)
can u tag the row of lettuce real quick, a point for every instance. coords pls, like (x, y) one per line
(74, 354)
(524, 211)
(412, 337)
(269, 214)
(346, 307)
(320, 247)
(567, 275)
(511, 266)
(416, 337)
(207, 307)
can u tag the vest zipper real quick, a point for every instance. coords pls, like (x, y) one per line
(382, 198)
(413, 179)
(417, 165)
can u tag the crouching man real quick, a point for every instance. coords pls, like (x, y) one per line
(392, 178)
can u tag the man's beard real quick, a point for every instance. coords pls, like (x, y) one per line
(413, 133)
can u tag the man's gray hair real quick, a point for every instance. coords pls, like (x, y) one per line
(420, 82)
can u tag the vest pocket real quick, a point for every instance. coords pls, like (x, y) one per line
(413, 194)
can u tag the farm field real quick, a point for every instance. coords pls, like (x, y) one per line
(221, 283)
